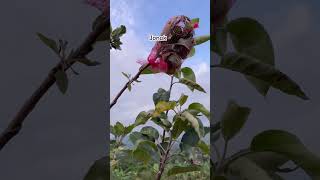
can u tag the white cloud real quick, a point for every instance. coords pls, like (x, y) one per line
(133, 49)
(122, 12)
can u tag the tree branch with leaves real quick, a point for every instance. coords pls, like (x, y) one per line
(58, 73)
(253, 57)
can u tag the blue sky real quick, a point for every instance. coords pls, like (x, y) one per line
(143, 18)
(150, 17)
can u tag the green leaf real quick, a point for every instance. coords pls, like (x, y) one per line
(126, 75)
(215, 127)
(162, 121)
(163, 106)
(99, 170)
(180, 169)
(261, 86)
(200, 108)
(250, 37)
(128, 129)
(144, 151)
(177, 74)
(62, 81)
(204, 147)
(180, 125)
(161, 95)
(214, 137)
(192, 52)
(119, 31)
(188, 74)
(88, 62)
(112, 130)
(189, 139)
(246, 169)
(183, 99)
(148, 71)
(269, 161)
(150, 131)
(201, 39)
(219, 41)
(118, 129)
(194, 112)
(195, 123)
(142, 118)
(122, 156)
(115, 37)
(250, 66)
(49, 42)
(129, 86)
(136, 136)
(195, 20)
(115, 44)
(233, 119)
(290, 146)
(141, 155)
(206, 130)
(191, 84)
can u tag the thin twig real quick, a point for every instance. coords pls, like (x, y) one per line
(220, 166)
(164, 160)
(127, 84)
(162, 148)
(170, 89)
(163, 135)
(224, 165)
(16, 123)
(216, 149)
(225, 149)
(223, 161)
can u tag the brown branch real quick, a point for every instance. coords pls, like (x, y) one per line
(16, 123)
(164, 160)
(127, 84)
(165, 157)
